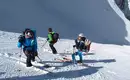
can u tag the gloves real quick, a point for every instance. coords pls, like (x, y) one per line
(47, 39)
(74, 46)
(21, 38)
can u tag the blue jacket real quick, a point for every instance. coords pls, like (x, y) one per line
(28, 44)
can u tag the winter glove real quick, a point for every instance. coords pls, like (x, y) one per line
(74, 46)
(21, 38)
(47, 39)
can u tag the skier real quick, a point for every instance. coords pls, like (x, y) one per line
(29, 44)
(52, 39)
(81, 43)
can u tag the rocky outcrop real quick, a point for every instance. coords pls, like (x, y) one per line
(124, 6)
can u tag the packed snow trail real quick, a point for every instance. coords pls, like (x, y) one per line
(106, 61)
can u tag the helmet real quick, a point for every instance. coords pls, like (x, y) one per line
(81, 35)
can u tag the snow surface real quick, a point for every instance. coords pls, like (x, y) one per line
(95, 18)
(105, 61)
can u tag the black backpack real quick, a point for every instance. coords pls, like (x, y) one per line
(55, 37)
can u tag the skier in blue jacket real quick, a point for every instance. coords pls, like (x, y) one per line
(29, 44)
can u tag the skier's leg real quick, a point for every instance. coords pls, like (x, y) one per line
(36, 53)
(80, 56)
(73, 57)
(53, 48)
(28, 60)
(33, 56)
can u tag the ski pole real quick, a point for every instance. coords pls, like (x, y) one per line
(20, 52)
(73, 49)
(20, 58)
(20, 55)
(44, 44)
(39, 58)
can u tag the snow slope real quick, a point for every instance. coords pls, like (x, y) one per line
(95, 18)
(122, 16)
(106, 62)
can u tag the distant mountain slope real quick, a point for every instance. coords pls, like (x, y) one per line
(95, 18)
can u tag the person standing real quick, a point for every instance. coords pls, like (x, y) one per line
(82, 45)
(52, 39)
(29, 45)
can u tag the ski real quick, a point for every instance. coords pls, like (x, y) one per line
(68, 60)
(63, 59)
(43, 68)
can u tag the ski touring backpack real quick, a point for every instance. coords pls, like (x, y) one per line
(55, 37)
(88, 44)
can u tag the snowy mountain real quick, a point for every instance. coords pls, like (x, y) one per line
(101, 21)
(96, 19)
